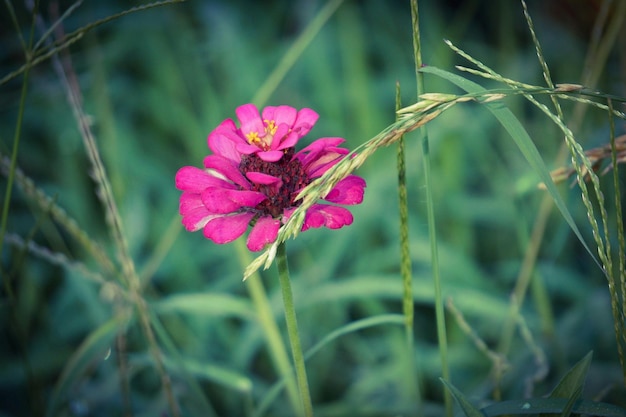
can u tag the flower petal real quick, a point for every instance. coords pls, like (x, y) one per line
(196, 180)
(250, 119)
(247, 149)
(321, 155)
(282, 135)
(271, 182)
(305, 121)
(264, 231)
(287, 214)
(280, 115)
(265, 179)
(223, 141)
(225, 229)
(270, 156)
(333, 217)
(349, 190)
(195, 214)
(222, 201)
(227, 169)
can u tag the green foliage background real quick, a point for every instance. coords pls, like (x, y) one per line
(155, 83)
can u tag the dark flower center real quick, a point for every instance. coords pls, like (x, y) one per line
(288, 169)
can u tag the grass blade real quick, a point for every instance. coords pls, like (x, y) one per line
(97, 342)
(524, 143)
(468, 409)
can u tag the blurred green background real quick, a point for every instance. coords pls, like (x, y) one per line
(156, 82)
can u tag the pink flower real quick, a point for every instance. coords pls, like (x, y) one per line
(254, 175)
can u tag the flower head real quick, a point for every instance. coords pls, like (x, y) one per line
(254, 175)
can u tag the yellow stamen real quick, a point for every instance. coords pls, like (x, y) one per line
(253, 138)
(270, 126)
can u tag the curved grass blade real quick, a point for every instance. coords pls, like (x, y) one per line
(523, 142)
(194, 390)
(383, 319)
(202, 370)
(206, 304)
(42, 54)
(96, 343)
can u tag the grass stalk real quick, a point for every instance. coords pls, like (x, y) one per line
(105, 194)
(292, 330)
(405, 263)
(405, 249)
(271, 332)
(595, 62)
(16, 137)
(33, 385)
(52, 49)
(58, 214)
(618, 294)
(430, 207)
(11, 176)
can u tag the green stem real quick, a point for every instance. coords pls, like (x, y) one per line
(274, 341)
(405, 255)
(292, 330)
(405, 265)
(430, 207)
(17, 135)
(11, 176)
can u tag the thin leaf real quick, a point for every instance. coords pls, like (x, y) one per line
(202, 370)
(522, 140)
(572, 383)
(98, 342)
(468, 409)
(552, 406)
(206, 304)
(384, 319)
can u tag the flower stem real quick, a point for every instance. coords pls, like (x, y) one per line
(277, 349)
(292, 330)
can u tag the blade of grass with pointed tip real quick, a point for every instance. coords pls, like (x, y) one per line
(572, 382)
(522, 140)
(468, 409)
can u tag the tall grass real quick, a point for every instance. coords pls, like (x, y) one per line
(109, 309)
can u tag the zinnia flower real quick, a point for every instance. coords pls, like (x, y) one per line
(254, 175)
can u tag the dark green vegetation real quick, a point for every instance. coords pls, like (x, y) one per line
(75, 333)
